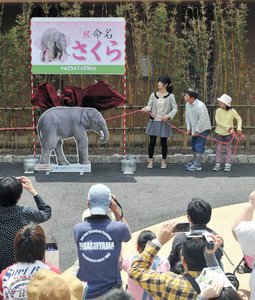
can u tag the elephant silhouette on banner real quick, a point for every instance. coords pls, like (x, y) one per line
(60, 123)
(55, 42)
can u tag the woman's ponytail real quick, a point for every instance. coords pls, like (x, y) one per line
(170, 88)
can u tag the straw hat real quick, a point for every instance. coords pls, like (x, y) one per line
(48, 285)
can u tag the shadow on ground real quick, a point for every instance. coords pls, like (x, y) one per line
(111, 172)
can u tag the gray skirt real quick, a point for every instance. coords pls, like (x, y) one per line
(159, 128)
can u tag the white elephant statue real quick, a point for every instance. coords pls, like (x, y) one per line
(55, 42)
(60, 123)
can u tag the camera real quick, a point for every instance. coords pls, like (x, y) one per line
(182, 227)
(208, 241)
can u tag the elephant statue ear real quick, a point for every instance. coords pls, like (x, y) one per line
(57, 37)
(86, 117)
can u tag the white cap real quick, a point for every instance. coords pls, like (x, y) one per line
(225, 99)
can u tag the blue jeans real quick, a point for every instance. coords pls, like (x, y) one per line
(198, 142)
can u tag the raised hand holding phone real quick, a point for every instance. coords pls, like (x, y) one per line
(182, 227)
(28, 185)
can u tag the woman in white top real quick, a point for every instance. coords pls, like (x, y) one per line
(161, 104)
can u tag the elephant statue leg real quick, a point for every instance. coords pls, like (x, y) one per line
(52, 55)
(82, 144)
(43, 55)
(59, 55)
(45, 156)
(60, 155)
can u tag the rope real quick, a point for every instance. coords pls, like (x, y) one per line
(231, 130)
(15, 128)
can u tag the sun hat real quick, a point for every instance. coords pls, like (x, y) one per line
(48, 285)
(100, 198)
(225, 99)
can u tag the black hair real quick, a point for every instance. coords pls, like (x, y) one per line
(30, 243)
(144, 237)
(10, 191)
(178, 268)
(228, 108)
(199, 211)
(117, 294)
(166, 80)
(192, 93)
(193, 253)
(228, 293)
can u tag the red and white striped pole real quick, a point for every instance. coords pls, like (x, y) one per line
(125, 95)
(32, 93)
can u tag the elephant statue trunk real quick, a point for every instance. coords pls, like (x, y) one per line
(104, 136)
(66, 52)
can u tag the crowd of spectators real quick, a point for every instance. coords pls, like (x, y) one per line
(99, 238)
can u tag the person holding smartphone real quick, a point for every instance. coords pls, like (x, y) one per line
(169, 285)
(13, 216)
(199, 214)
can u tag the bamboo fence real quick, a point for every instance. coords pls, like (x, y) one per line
(16, 132)
(201, 45)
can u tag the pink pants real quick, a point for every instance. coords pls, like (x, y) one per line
(228, 150)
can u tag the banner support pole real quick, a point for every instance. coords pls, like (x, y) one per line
(125, 96)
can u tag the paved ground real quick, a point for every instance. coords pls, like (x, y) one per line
(148, 197)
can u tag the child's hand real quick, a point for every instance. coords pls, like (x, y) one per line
(217, 243)
(165, 118)
(239, 132)
(166, 232)
(188, 132)
(144, 109)
(196, 133)
(213, 290)
(230, 130)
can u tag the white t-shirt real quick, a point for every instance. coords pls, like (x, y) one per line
(15, 278)
(245, 232)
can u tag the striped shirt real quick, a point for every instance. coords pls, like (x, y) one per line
(197, 117)
(160, 285)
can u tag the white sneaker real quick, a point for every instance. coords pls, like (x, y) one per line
(217, 167)
(227, 168)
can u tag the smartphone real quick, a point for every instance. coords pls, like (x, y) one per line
(182, 227)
